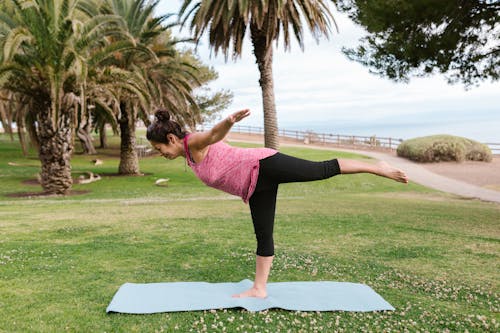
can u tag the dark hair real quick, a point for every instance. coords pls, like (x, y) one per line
(162, 126)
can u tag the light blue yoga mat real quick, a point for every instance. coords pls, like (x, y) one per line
(297, 296)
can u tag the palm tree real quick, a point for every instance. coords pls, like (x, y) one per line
(128, 66)
(227, 21)
(45, 62)
(160, 78)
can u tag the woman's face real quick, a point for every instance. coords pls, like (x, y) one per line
(172, 150)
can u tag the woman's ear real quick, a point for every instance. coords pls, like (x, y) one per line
(172, 138)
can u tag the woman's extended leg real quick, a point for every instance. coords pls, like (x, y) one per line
(281, 168)
(380, 169)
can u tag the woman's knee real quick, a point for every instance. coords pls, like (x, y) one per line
(265, 249)
(265, 243)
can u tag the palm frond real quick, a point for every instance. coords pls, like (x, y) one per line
(226, 21)
(13, 42)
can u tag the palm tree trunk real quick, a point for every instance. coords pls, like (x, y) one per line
(84, 135)
(32, 132)
(129, 162)
(103, 139)
(6, 122)
(264, 56)
(21, 130)
(86, 140)
(55, 152)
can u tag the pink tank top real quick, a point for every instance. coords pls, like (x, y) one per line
(230, 169)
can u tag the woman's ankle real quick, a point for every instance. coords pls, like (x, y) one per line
(260, 287)
(259, 291)
(252, 292)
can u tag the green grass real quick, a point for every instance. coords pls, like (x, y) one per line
(433, 256)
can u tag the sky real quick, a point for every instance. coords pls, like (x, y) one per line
(319, 89)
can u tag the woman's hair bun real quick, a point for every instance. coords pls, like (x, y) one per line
(162, 126)
(162, 116)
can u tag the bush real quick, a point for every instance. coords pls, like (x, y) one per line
(438, 148)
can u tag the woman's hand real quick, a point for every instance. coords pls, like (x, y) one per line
(238, 115)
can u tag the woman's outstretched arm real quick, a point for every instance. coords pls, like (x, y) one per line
(201, 140)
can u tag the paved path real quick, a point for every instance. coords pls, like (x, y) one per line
(418, 174)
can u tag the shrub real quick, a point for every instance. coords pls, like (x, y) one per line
(436, 148)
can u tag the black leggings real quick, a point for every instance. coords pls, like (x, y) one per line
(275, 170)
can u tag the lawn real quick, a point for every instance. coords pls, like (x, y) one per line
(433, 256)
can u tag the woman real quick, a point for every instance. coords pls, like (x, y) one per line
(250, 173)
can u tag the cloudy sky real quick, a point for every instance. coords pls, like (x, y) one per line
(321, 90)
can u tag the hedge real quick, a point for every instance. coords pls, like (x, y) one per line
(436, 148)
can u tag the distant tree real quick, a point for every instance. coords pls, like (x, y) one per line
(458, 38)
(227, 23)
(211, 104)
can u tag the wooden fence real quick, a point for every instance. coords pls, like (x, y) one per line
(494, 147)
(310, 137)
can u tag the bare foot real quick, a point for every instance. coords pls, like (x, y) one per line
(253, 292)
(392, 173)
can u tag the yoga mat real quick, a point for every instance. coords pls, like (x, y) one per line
(193, 296)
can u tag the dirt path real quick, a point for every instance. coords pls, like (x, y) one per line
(479, 180)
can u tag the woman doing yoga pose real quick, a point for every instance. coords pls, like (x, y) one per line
(250, 173)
